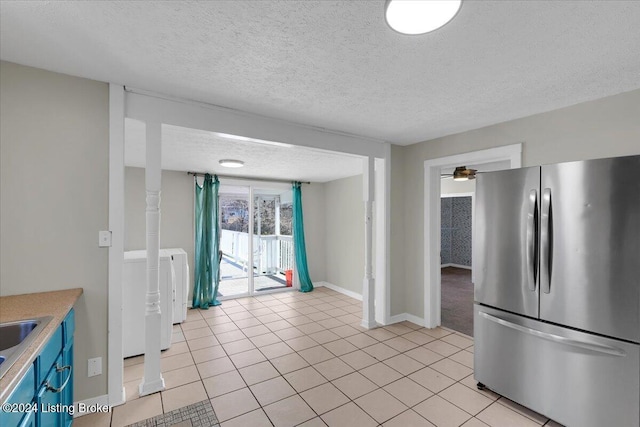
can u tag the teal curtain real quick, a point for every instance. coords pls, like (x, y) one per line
(298, 241)
(207, 244)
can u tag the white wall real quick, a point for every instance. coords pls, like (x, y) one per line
(54, 151)
(603, 128)
(449, 186)
(344, 223)
(176, 213)
(397, 294)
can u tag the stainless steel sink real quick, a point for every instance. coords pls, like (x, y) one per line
(15, 337)
(14, 333)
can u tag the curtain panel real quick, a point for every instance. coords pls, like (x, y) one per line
(299, 247)
(207, 243)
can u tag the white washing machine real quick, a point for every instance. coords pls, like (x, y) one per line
(181, 268)
(134, 291)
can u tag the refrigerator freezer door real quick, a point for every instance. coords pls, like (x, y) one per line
(574, 378)
(593, 245)
(505, 252)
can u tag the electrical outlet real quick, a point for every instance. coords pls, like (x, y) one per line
(94, 367)
(104, 239)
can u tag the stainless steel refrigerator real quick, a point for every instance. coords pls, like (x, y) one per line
(557, 289)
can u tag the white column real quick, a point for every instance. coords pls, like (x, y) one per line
(116, 225)
(278, 255)
(257, 205)
(153, 381)
(277, 214)
(368, 285)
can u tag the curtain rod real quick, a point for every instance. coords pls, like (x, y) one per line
(248, 178)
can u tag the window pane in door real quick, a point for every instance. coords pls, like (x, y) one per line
(234, 241)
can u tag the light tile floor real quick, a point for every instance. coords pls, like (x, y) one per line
(292, 359)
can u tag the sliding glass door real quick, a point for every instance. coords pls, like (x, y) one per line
(235, 265)
(273, 250)
(259, 261)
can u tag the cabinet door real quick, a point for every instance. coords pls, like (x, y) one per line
(67, 392)
(22, 394)
(29, 420)
(50, 398)
(67, 360)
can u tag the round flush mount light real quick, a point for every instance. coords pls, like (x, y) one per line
(229, 163)
(420, 16)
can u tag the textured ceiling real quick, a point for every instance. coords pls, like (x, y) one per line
(195, 150)
(335, 64)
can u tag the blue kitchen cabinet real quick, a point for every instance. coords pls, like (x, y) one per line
(48, 383)
(29, 420)
(69, 327)
(50, 397)
(55, 393)
(22, 394)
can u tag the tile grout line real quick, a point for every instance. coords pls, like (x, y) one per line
(299, 303)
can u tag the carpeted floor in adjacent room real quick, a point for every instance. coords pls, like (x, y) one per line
(457, 300)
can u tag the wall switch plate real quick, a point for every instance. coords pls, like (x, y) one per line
(94, 367)
(104, 239)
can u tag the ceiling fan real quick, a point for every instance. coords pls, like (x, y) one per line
(461, 173)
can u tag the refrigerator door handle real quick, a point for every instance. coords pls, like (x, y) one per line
(531, 239)
(545, 239)
(598, 348)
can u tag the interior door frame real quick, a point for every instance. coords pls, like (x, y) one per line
(251, 186)
(432, 168)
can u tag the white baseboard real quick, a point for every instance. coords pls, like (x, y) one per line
(339, 289)
(408, 317)
(466, 267)
(90, 406)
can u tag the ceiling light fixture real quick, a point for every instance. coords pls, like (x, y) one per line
(420, 16)
(230, 163)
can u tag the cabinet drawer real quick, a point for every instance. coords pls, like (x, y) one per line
(49, 354)
(577, 379)
(69, 327)
(22, 394)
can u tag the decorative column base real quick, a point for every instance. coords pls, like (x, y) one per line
(146, 388)
(369, 325)
(152, 382)
(368, 307)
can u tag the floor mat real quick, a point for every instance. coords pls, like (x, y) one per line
(197, 415)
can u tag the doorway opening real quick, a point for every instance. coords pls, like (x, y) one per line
(501, 158)
(456, 217)
(256, 241)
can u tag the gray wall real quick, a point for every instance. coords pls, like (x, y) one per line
(313, 210)
(455, 230)
(54, 151)
(344, 233)
(603, 128)
(176, 212)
